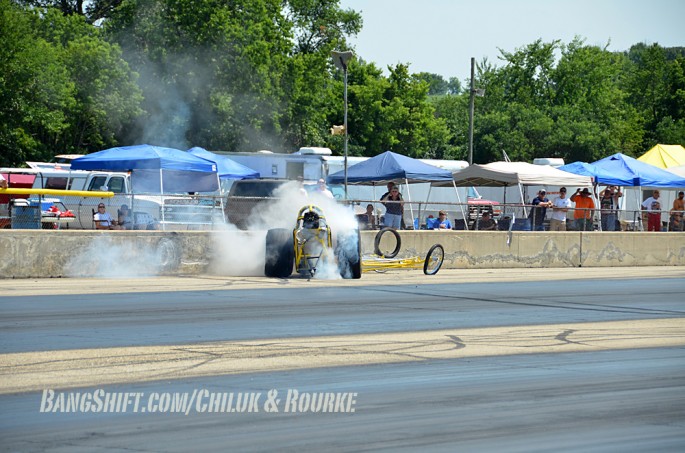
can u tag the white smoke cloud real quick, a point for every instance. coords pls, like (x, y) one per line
(243, 253)
(108, 257)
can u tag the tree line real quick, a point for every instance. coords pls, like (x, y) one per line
(245, 75)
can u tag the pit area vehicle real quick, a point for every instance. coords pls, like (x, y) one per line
(309, 248)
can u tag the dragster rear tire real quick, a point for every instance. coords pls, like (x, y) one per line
(280, 253)
(349, 257)
(377, 243)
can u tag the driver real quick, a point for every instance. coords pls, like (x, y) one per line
(310, 220)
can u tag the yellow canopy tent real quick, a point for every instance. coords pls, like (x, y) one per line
(664, 156)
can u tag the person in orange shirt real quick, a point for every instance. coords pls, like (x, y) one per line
(677, 212)
(584, 209)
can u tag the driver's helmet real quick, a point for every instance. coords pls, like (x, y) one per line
(310, 220)
(311, 217)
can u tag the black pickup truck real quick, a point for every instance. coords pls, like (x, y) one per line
(247, 194)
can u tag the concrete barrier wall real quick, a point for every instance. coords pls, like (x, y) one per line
(65, 253)
(496, 249)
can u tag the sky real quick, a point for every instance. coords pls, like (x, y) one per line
(441, 36)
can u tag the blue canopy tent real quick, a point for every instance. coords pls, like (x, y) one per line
(389, 167)
(627, 171)
(622, 170)
(583, 169)
(155, 169)
(225, 166)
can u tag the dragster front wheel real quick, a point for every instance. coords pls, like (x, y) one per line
(434, 259)
(377, 243)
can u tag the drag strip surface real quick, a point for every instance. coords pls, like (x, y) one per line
(524, 360)
(35, 371)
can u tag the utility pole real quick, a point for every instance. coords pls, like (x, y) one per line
(471, 106)
(340, 60)
(473, 93)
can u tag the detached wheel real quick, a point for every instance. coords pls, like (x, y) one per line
(348, 251)
(434, 259)
(168, 255)
(280, 253)
(377, 243)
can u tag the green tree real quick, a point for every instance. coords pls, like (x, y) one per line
(574, 109)
(436, 84)
(590, 101)
(454, 111)
(454, 86)
(313, 87)
(106, 96)
(36, 93)
(655, 83)
(393, 113)
(67, 7)
(246, 75)
(318, 25)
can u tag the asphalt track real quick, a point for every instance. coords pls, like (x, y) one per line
(498, 360)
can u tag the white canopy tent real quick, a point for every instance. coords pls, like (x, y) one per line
(503, 174)
(506, 174)
(679, 170)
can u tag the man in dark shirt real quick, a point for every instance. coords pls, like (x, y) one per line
(538, 211)
(486, 222)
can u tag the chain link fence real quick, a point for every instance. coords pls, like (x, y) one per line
(516, 217)
(120, 212)
(200, 212)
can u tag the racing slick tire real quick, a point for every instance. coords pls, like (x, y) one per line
(349, 255)
(434, 259)
(377, 243)
(280, 253)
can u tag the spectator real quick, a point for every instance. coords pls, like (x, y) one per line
(677, 212)
(537, 213)
(3, 182)
(584, 209)
(653, 207)
(390, 186)
(300, 186)
(486, 222)
(323, 190)
(608, 204)
(394, 205)
(367, 221)
(103, 221)
(560, 207)
(124, 218)
(443, 223)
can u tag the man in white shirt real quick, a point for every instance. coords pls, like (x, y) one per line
(323, 190)
(103, 221)
(560, 207)
(653, 207)
(3, 182)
